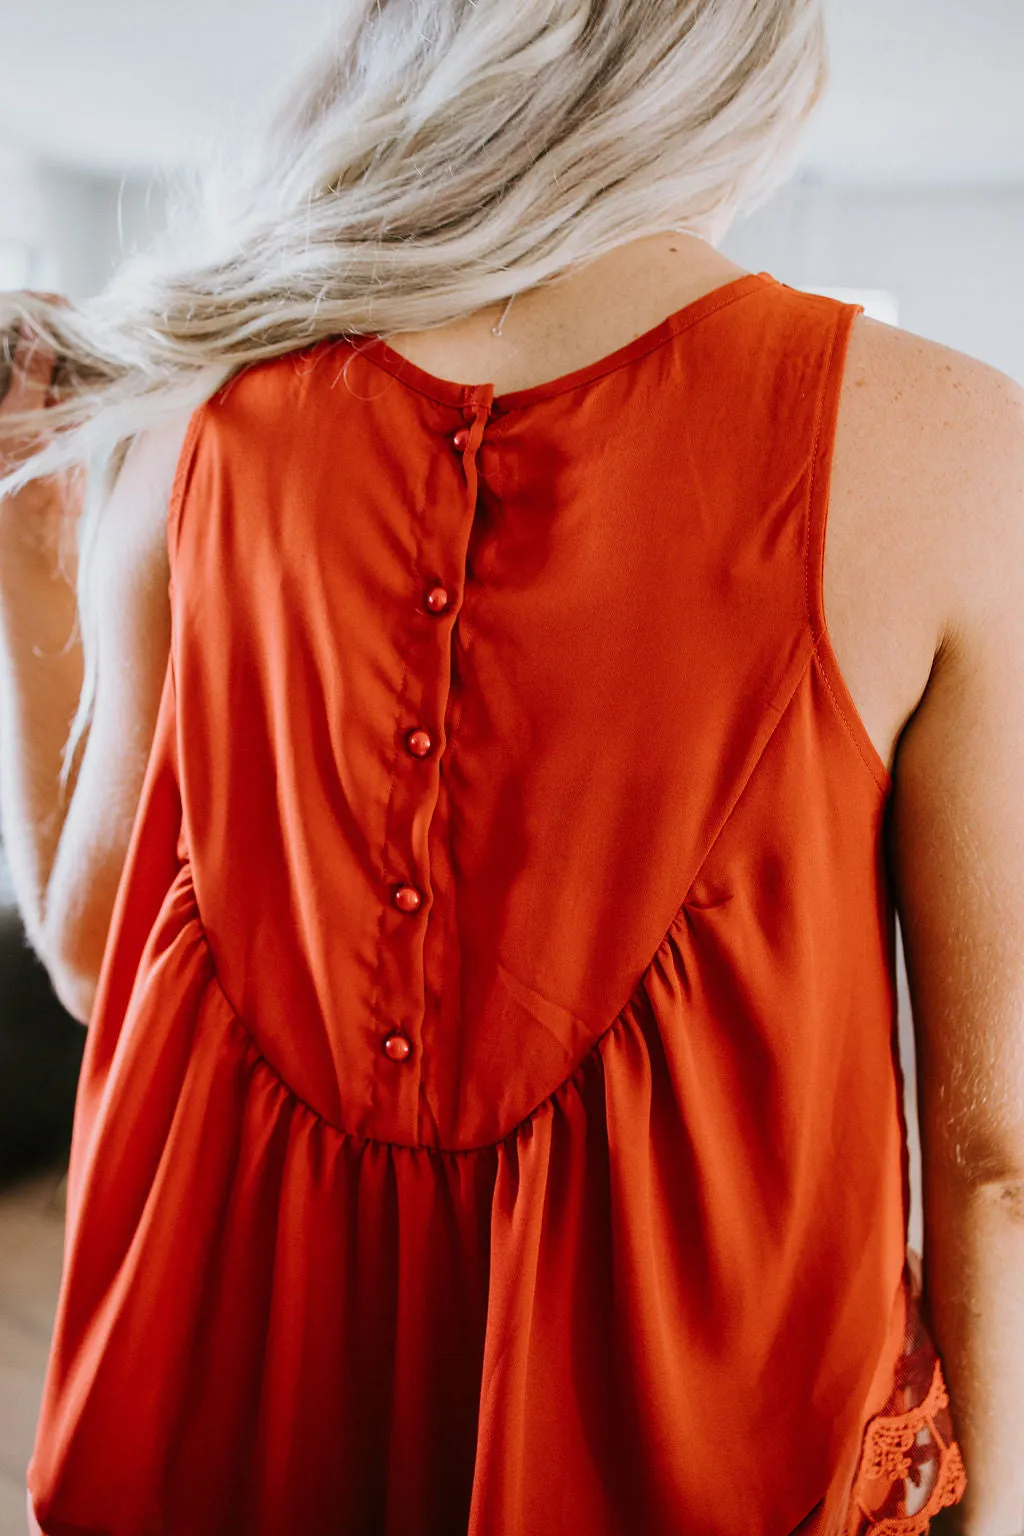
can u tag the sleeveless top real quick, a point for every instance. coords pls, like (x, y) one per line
(491, 1115)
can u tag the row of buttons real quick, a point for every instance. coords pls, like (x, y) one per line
(418, 742)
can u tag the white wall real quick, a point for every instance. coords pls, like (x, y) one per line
(953, 258)
(73, 222)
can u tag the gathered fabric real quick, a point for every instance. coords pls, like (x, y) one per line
(491, 1118)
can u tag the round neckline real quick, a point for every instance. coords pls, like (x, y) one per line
(452, 392)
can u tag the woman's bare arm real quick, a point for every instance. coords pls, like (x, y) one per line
(958, 863)
(66, 857)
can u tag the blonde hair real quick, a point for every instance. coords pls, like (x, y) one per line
(438, 157)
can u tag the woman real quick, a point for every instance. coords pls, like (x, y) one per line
(471, 817)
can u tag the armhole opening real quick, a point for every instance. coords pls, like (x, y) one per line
(814, 546)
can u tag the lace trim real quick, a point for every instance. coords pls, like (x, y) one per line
(910, 1464)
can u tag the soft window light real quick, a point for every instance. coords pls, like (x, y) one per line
(15, 265)
(878, 303)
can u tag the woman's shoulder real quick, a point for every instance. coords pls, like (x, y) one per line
(925, 507)
(938, 413)
(935, 440)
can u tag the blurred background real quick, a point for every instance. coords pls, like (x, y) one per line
(908, 197)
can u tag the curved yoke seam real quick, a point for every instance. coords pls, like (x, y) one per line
(405, 1146)
(593, 1050)
(279, 1078)
(620, 1017)
(594, 372)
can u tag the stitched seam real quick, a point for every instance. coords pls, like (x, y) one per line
(560, 1090)
(742, 789)
(240, 1024)
(544, 392)
(809, 519)
(282, 1081)
(594, 1049)
(677, 330)
(840, 711)
(583, 1065)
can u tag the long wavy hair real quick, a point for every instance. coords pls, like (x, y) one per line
(437, 157)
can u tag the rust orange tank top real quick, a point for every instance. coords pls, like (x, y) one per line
(491, 1118)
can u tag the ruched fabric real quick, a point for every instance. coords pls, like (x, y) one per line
(618, 1245)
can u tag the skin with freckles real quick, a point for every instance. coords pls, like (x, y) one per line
(922, 586)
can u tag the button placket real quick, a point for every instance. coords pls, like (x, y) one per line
(422, 739)
(467, 439)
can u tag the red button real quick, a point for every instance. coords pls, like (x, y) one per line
(419, 743)
(461, 438)
(436, 599)
(407, 898)
(397, 1047)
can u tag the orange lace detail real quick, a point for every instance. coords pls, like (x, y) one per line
(910, 1465)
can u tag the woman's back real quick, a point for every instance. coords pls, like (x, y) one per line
(893, 548)
(480, 870)
(500, 1000)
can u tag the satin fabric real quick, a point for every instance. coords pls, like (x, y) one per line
(620, 1245)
